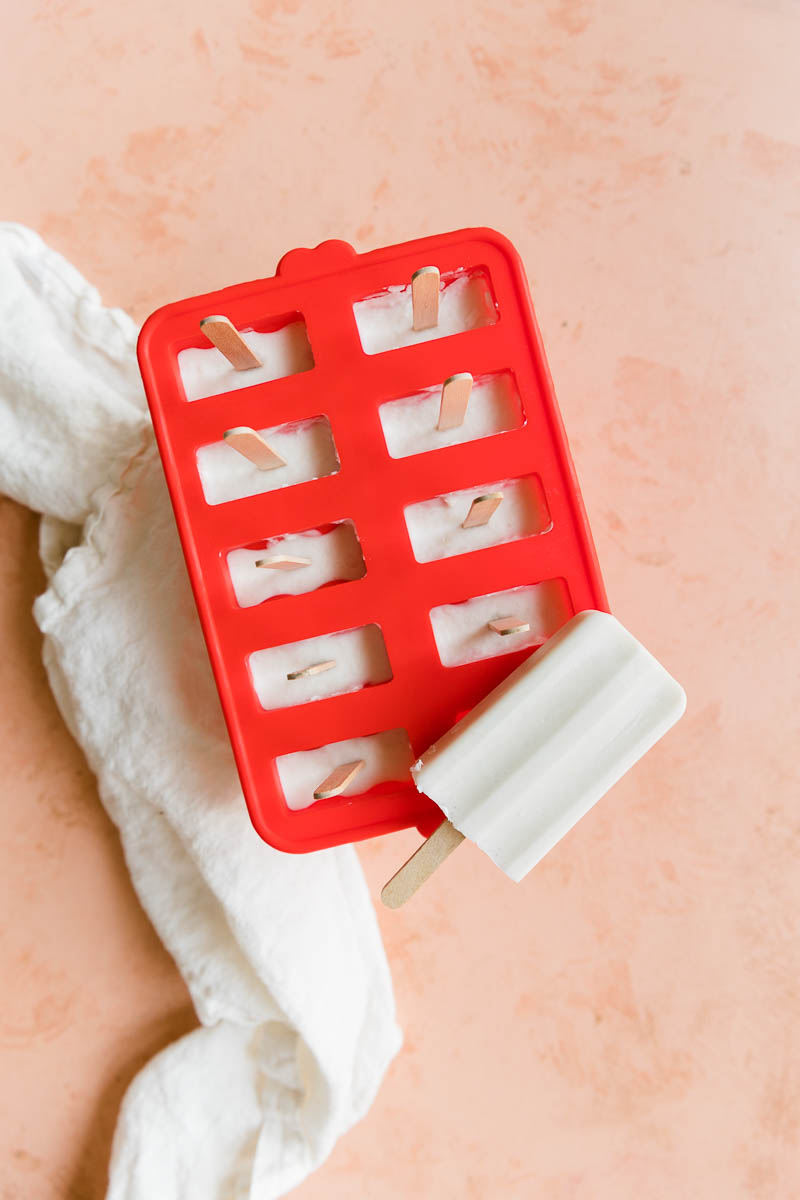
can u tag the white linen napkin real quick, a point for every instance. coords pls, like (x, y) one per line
(281, 953)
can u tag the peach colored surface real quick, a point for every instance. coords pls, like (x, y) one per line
(625, 1023)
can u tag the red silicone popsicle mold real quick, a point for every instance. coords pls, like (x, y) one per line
(372, 490)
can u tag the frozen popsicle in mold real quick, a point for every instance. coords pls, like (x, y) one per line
(280, 352)
(539, 751)
(290, 674)
(387, 758)
(410, 424)
(252, 446)
(386, 321)
(436, 527)
(295, 563)
(222, 333)
(307, 448)
(462, 631)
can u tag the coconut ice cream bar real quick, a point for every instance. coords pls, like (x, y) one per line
(536, 754)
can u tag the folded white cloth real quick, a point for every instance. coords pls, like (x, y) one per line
(281, 953)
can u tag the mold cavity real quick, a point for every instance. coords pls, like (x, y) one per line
(409, 424)
(387, 758)
(385, 321)
(298, 672)
(295, 563)
(307, 447)
(435, 527)
(463, 634)
(205, 371)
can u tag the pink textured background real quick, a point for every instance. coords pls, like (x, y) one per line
(626, 1022)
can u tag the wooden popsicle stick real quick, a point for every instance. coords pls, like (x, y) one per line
(506, 625)
(425, 297)
(283, 562)
(314, 669)
(482, 510)
(338, 780)
(226, 337)
(423, 862)
(251, 445)
(455, 398)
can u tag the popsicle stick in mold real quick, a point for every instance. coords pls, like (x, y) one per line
(295, 563)
(307, 447)
(223, 334)
(506, 626)
(283, 562)
(338, 780)
(420, 423)
(473, 629)
(539, 751)
(455, 398)
(314, 669)
(251, 445)
(387, 759)
(425, 297)
(361, 661)
(482, 510)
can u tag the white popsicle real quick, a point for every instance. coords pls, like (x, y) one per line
(385, 321)
(462, 630)
(307, 448)
(206, 372)
(540, 750)
(436, 527)
(289, 674)
(386, 757)
(410, 423)
(331, 556)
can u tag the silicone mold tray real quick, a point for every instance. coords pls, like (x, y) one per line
(371, 490)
